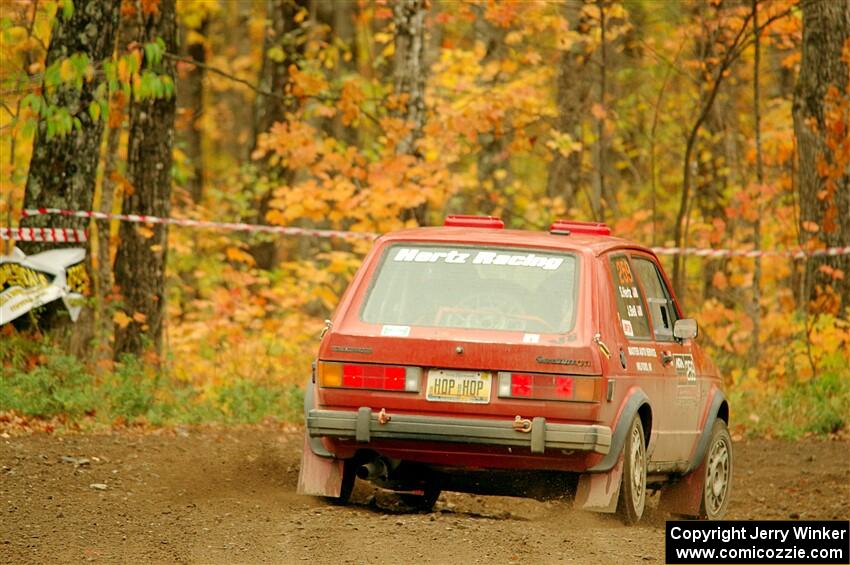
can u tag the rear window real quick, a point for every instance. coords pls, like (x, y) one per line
(488, 288)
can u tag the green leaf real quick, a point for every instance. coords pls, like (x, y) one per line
(94, 110)
(276, 54)
(29, 128)
(52, 76)
(109, 71)
(168, 85)
(67, 9)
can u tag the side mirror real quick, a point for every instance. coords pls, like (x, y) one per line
(685, 328)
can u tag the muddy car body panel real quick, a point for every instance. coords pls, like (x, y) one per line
(460, 349)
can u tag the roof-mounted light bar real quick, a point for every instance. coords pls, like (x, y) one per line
(567, 227)
(469, 221)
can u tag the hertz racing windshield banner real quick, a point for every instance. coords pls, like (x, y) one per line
(27, 282)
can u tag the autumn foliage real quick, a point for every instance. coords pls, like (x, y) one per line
(660, 105)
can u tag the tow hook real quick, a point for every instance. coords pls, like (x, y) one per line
(522, 424)
(602, 347)
(383, 417)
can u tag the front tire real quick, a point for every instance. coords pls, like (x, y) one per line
(633, 487)
(718, 473)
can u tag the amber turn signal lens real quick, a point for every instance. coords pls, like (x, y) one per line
(330, 374)
(585, 389)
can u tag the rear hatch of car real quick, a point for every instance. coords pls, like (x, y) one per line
(465, 329)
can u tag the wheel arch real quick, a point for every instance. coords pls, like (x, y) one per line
(635, 404)
(645, 414)
(717, 409)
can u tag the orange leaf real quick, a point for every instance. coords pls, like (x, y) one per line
(236, 254)
(598, 111)
(139, 317)
(121, 319)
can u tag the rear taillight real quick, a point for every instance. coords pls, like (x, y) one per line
(548, 387)
(371, 377)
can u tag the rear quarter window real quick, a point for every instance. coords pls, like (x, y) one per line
(630, 304)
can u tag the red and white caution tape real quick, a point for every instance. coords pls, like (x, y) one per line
(240, 226)
(55, 235)
(229, 226)
(793, 253)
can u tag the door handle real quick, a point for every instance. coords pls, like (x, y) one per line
(666, 358)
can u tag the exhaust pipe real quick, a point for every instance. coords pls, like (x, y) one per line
(375, 469)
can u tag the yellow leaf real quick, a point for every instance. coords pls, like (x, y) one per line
(121, 319)
(383, 37)
(66, 70)
(145, 232)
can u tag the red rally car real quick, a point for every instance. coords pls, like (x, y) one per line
(473, 358)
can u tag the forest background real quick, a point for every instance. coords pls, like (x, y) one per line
(706, 124)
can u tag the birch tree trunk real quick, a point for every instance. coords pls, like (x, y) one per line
(409, 70)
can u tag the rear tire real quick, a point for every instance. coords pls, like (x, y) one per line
(718, 473)
(632, 498)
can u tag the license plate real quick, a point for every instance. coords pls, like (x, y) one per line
(458, 386)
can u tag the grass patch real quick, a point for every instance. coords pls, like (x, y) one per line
(820, 407)
(40, 382)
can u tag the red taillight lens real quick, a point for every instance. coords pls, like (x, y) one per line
(372, 377)
(520, 385)
(564, 387)
(547, 387)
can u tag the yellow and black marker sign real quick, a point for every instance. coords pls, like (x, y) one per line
(15, 274)
(77, 279)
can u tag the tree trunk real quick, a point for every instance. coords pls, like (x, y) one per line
(141, 258)
(277, 56)
(340, 18)
(409, 68)
(573, 95)
(756, 302)
(63, 169)
(278, 53)
(824, 199)
(190, 101)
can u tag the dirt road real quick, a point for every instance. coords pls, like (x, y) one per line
(228, 496)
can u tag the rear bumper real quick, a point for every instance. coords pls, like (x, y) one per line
(364, 426)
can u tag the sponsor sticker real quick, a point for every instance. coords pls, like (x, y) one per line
(684, 365)
(627, 328)
(642, 352)
(644, 366)
(531, 338)
(456, 257)
(395, 331)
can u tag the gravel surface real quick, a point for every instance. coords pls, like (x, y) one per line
(218, 495)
